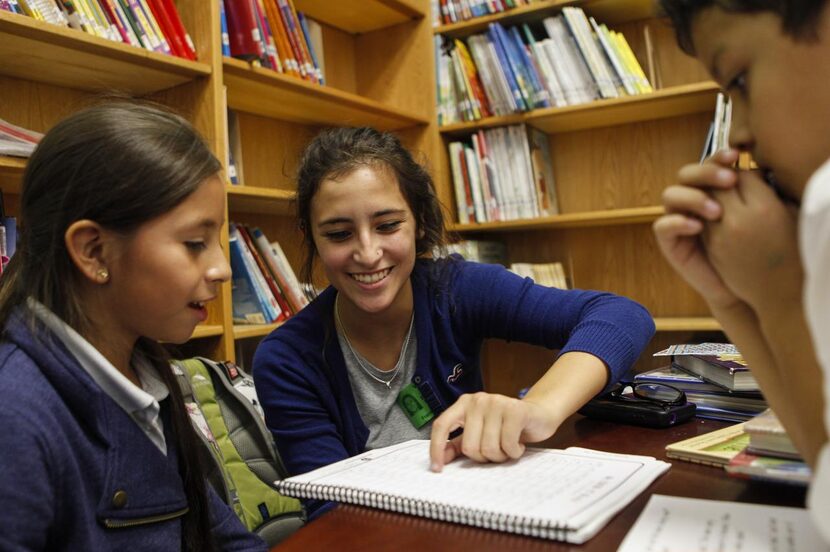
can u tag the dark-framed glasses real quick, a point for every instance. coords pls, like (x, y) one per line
(656, 393)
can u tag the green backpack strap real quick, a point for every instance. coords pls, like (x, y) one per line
(257, 501)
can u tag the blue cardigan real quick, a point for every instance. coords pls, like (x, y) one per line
(67, 450)
(301, 377)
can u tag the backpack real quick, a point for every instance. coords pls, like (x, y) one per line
(239, 450)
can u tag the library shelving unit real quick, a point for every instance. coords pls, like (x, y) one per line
(611, 160)
(377, 55)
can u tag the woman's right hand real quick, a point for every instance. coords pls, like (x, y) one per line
(688, 206)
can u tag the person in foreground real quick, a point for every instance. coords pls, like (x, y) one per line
(121, 209)
(735, 235)
(395, 322)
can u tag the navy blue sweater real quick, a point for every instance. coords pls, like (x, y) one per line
(67, 450)
(301, 377)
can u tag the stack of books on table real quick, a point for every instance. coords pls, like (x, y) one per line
(757, 449)
(715, 377)
(770, 454)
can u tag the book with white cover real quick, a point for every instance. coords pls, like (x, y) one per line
(556, 494)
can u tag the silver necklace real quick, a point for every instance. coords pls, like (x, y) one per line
(396, 370)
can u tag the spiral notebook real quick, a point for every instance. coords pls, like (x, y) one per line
(564, 495)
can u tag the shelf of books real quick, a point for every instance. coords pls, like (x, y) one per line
(44, 52)
(247, 331)
(609, 217)
(372, 15)
(265, 92)
(609, 11)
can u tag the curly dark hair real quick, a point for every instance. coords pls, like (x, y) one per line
(337, 152)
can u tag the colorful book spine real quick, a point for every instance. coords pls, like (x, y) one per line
(245, 302)
(223, 23)
(518, 94)
(311, 50)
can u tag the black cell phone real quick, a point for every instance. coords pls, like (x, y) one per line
(641, 413)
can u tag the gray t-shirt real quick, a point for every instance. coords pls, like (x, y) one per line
(386, 421)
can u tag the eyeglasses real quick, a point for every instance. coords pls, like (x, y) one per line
(657, 393)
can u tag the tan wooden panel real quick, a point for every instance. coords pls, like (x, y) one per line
(623, 260)
(362, 16)
(11, 173)
(392, 69)
(61, 56)
(623, 166)
(340, 59)
(271, 150)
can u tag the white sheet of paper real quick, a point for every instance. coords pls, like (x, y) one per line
(676, 524)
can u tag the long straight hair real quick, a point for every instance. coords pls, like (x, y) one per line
(120, 164)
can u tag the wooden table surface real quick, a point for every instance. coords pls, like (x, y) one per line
(351, 528)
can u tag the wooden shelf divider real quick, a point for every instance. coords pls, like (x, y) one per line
(207, 330)
(674, 101)
(373, 14)
(254, 199)
(611, 217)
(254, 330)
(684, 324)
(271, 94)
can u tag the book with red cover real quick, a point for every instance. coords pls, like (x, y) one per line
(286, 55)
(176, 22)
(173, 39)
(243, 30)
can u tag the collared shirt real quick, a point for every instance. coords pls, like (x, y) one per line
(814, 242)
(141, 403)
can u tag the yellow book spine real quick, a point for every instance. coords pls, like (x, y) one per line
(632, 63)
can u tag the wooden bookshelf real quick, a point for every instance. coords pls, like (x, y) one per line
(675, 101)
(248, 331)
(608, 11)
(371, 15)
(42, 52)
(268, 93)
(611, 217)
(611, 158)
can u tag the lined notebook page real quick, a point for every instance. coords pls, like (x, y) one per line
(549, 493)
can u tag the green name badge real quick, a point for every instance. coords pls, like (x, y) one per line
(414, 406)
